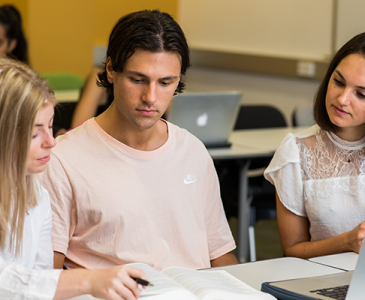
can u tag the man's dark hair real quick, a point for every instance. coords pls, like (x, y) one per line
(354, 46)
(153, 31)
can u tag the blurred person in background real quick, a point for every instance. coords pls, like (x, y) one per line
(12, 41)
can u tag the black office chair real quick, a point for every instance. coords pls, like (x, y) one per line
(259, 116)
(261, 192)
(63, 115)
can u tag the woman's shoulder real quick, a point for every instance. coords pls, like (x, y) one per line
(308, 132)
(288, 150)
(291, 139)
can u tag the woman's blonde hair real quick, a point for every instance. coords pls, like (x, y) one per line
(22, 94)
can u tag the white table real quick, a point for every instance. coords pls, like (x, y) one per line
(67, 95)
(346, 261)
(246, 145)
(256, 273)
(263, 140)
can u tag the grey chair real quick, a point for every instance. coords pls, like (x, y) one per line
(303, 115)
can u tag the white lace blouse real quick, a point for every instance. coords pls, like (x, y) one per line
(320, 176)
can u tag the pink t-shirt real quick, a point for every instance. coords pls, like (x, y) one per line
(113, 204)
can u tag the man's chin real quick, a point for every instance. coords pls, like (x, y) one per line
(146, 124)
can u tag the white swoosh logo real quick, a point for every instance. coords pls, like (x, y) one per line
(186, 181)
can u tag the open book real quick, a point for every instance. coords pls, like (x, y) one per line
(184, 284)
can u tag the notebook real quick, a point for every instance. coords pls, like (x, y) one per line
(208, 116)
(349, 284)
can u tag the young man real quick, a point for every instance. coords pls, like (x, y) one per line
(128, 186)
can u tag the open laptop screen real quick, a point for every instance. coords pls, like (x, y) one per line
(208, 116)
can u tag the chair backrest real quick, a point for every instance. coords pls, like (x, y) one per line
(63, 115)
(259, 116)
(303, 115)
(63, 81)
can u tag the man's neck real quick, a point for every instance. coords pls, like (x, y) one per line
(139, 139)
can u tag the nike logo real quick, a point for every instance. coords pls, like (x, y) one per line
(189, 179)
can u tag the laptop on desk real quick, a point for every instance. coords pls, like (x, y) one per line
(208, 116)
(346, 285)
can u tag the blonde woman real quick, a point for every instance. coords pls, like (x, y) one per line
(26, 255)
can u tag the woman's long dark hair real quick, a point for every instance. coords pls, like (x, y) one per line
(354, 46)
(10, 18)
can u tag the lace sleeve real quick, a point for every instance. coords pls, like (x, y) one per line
(284, 172)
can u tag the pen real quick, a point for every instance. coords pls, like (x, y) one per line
(142, 281)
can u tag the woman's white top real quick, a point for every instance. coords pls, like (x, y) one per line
(320, 176)
(27, 277)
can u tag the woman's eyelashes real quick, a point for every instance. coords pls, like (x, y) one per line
(338, 82)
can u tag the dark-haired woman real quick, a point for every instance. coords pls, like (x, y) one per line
(12, 40)
(319, 174)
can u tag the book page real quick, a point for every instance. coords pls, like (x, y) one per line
(212, 284)
(163, 287)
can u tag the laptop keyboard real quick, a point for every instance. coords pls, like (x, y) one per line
(338, 292)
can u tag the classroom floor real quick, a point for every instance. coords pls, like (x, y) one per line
(266, 235)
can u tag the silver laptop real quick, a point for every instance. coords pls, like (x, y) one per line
(208, 116)
(352, 284)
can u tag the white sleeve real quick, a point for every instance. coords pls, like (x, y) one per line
(21, 283)
(284, 172)
(44, 257)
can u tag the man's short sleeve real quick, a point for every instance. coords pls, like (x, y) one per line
(219, 234)
(56, 182)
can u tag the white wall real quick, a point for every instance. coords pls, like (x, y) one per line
(226, 24)
(284, 28)
(350, 20)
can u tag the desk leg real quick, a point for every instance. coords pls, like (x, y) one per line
(243, 213)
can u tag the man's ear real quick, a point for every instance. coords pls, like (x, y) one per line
(12, 45)
(109, 70)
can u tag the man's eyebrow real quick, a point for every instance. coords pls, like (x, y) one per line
(170, 77)
(339, 74)
(137, 74)
(145, 76)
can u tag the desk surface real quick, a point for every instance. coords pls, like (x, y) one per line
(67, 95)
(267, 139)
(237, 151)
(345, 261)
(255, 273)
(253, 143)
